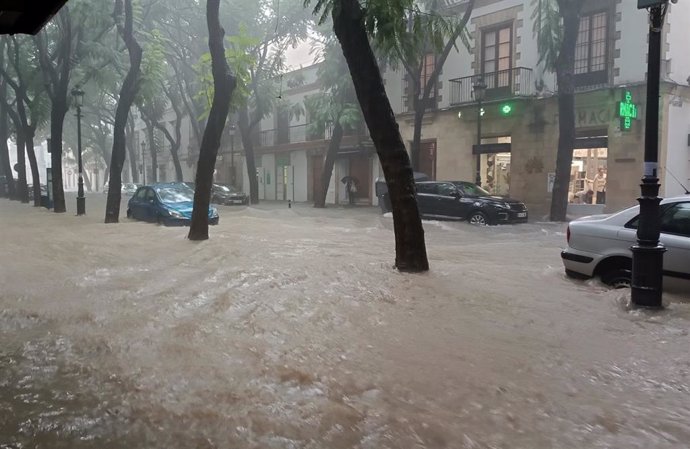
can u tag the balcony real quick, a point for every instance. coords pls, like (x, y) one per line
(501, 85)
(297, 134)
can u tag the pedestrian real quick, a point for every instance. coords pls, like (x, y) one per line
(599, 186)
(351, 190)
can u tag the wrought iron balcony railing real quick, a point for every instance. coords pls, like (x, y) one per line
(504, 84)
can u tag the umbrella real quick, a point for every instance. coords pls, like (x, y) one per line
(349, 179)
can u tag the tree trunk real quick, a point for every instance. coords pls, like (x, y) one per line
(4, 148)
(224, 84)
(20, 140)
(565, 70)
(131, 150)
(328, 163)
(23, 188)
(410, 247)
(248, 144)
(35, 174)
(57, 118)
(87, 182)
(419, 112)
(154, 152)
(128, 92)
(28, 132)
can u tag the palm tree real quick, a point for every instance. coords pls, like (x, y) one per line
(556, 26)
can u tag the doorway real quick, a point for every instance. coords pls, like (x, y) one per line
(427, 158)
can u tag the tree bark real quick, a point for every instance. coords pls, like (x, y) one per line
(565, 77)
(248, 144)
(128, 92)
(410, 247)
(224, 84)
(328, 163)
(153, 150)
(59, 84)
(4, 135)
(131, 150)
(22, 188)
(5, 153)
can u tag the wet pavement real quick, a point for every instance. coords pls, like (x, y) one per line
(290, 329)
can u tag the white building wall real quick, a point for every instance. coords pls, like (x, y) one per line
(678, 39)
(298, 159)
(678, 151)
(631, 65)
(268, 163)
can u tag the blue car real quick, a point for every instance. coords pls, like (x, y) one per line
(169, 204)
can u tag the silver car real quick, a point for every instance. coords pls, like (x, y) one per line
(600, 245)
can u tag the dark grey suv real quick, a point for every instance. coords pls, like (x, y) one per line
(461, 200)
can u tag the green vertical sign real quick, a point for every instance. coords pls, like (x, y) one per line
(627, 111)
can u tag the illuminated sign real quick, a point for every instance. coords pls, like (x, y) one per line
(627, 111)
(506, 109)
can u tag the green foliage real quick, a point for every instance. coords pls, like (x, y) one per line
(548, 28)
(336, 101)
(241, 62)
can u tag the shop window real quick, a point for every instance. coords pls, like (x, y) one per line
(588, 176)
(591, 51)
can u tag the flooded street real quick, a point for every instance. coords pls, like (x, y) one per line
(290, 329)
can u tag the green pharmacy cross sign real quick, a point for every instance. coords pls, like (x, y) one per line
(627, 111)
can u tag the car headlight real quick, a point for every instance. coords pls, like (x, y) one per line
(176, 214)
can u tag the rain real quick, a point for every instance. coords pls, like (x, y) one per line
(343, 224)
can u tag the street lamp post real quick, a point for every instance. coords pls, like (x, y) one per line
(648, 254)
(479, 91)
(78, 95)
(143, 162)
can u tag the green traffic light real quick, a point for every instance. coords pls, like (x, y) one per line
(506, 109)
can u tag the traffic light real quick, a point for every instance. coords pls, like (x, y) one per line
(506, 109)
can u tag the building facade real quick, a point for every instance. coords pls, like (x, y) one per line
(519, 117)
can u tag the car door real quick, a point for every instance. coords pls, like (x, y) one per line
(149, 208)
(448, 200)
(137, 203)
(675, 236)
(426, 198)
(468, 198)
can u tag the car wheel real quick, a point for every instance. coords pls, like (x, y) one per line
(478, 218)
(617, 278)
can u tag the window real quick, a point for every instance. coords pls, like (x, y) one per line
(591, 50)
(141, 194)
(676, 220)
(427, 69)
(472, 190)
(426, 189)
(447, 190)
(497, 45)
(150, 195)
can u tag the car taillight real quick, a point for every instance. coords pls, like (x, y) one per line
(567, 234)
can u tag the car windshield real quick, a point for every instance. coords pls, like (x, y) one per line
(174, 194)
(473, 189)
(224, 189)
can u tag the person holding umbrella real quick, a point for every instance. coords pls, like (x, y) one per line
(351, 188)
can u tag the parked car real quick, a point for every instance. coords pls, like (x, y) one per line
(382, 190)
(130, 188)
(227, 195)
(30, 187)
(460, 200)
(600, 245)
(167, 203)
